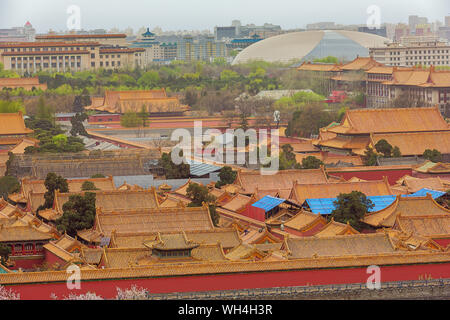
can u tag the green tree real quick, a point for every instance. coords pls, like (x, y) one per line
(432, 155)
(173, 171)
(370, 157)
(52, 183)
(328, 59)
(384, 147)
(227, 176)
(130, 120)
(199, 194)
(98, 175)
(77, 125)
(78, 214)
(60, 140)
(150, 79)
(5, 251)
(351, 208)
(11, 106)
(88, 186)
(8, 185)
(44, 112)
(396, 152)
(311, 162)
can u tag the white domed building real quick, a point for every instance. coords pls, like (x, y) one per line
(309, 45)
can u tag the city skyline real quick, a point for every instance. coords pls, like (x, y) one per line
(175, 15)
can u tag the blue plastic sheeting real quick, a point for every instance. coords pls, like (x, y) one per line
(326, 205)
(199, 169)
(423, 192)
(267, 203)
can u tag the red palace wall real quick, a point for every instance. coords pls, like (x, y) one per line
(27, 263)
(392, 175)
(104, 118)
(107, 288)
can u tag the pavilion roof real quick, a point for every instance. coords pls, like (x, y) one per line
(21, 233)
(415, 143)
(341, 245)
(154, 220)
(305, 220)
(407, 207)
(334, 228)
(133, 100)
(360, 63)
(413, 184)
(301, 192)
(324, 67)
(13, 124)
(431, 167)
(433, 226)
(395, 120)
(115, 200)
(283, 179)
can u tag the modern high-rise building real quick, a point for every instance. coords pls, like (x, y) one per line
(378, 31)
(204, 48)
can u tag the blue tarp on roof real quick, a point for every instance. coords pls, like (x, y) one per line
(423, 192)
(199, 169)
(267, 203)
(326, 205)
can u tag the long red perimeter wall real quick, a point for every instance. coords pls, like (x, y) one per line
(107, 288)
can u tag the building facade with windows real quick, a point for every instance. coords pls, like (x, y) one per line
(412, 51)
(31, 57)
(429, 87)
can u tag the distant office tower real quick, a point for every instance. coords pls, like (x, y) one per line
(447, 21)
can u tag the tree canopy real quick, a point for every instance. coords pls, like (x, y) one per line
(174, 171)
(52, 183)
(351, 208)
(78, 214)
(227, 176)
(432, 155)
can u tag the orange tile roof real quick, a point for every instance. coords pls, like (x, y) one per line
(153, 220)
(301, 192)
(433, 226)
(238, 202)
(19, 82)
(431, 167)
(386, 120)
(413, 184)
(324, 67)
(338, 246)
(13, 124)
(304, 220)
(124, 101)
(360, 63)
(407, 207)
(420, 77)
(415, 143)
(115, 200)
(283, 179)
(355, 143)
(381, 70)
(334, 228)
(21, 232)
(303, 146)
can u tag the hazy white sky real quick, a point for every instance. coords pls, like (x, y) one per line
(205, 14)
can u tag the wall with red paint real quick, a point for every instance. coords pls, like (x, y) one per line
(107, 288)
(444, 242)
(27, 263)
